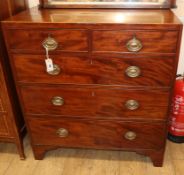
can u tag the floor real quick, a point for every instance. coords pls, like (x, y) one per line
(89, 162)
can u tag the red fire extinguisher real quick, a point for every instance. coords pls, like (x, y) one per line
(176, 123)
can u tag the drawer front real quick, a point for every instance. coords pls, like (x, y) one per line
(97, 134)
(97, 70)
(3, 125)
(95, 102)
(152, 41)
(68, 40)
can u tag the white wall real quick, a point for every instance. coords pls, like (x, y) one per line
(33, 3)
(179, 11)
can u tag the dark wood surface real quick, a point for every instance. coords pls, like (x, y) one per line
(92, 81)
(3, 125)
(103, 41)
(103, 17)
(68, 40)
(96, 102)
(6, 112)
(97, 133)
(95, 69)
(152, 41)
(11, 7)
(12, 126)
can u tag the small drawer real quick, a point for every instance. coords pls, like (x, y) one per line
(95, 102)
(97, 133)
(135, 71)
(32, 40)
(135, 41)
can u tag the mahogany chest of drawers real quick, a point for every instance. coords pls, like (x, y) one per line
(111, 81)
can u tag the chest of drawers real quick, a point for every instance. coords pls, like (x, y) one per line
(112, 79)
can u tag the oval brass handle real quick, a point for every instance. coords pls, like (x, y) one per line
(130, 135)
(134, 45)
(133, 71)
(58, 101)
(132, 104)
(56, 70)
(62, 132)
(50, 44)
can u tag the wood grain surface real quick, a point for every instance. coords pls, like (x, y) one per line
(1, 106)
(152, 41)
(3, 125)
(97, 133)
(12, 126)
(96, 102)
(68, 40)
(104, 70)
(97, 18)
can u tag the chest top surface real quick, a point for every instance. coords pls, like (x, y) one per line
(96, 16)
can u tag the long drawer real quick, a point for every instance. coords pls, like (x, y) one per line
(95, 102)
(134, 71)
(150, 41)
(97, 133)
(32, 40)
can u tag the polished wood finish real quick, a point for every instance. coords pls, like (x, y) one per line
(96, 102)
(12, 126)
(68, 40)
(92, 83)
(152, 41)
(3, 127)
(11, 7)
(67, 18)
(97, 134)
(97, 69)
